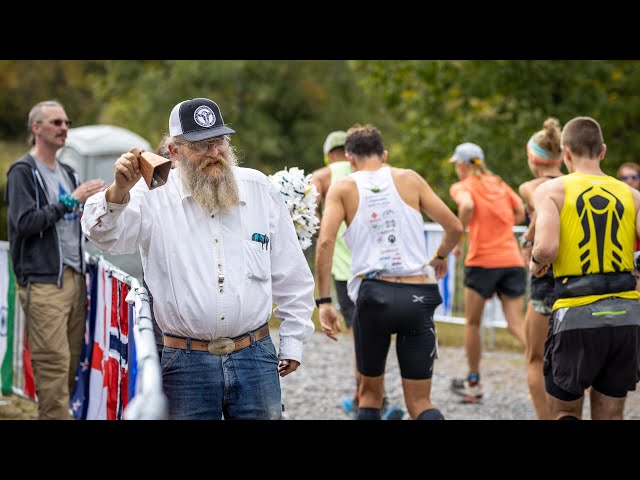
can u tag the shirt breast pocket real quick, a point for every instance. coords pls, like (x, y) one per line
(256, 260)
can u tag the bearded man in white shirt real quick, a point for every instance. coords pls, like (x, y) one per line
(218, 249)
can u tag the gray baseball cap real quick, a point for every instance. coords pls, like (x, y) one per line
(466, 152)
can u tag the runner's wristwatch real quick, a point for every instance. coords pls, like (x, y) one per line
(321, 300)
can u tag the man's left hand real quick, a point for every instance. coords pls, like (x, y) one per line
(439, 266)
(329, 321)
(285, 367)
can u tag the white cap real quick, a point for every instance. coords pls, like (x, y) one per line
(466, 152)
(334, 140)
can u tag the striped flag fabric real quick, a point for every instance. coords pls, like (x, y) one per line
(108, 391)
(117, 366)
(24, 352)
(16, 373)
(80, 396)
(97, 406)
(7, 307)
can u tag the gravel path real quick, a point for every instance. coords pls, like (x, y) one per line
(316, 390)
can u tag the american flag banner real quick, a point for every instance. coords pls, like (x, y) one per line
(80, 396)
(97, 398)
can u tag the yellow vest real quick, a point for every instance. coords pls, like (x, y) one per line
(597, 232)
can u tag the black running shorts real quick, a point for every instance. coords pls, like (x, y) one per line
(384, 308)
(594, 345)
(510, 281)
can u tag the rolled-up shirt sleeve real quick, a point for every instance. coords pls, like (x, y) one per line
(292, 283)
(112, 227)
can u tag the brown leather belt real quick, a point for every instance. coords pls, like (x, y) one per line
(219, 346)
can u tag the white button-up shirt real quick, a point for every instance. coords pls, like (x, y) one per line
(211, 275)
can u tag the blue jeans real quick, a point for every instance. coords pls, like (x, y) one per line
(243, 385)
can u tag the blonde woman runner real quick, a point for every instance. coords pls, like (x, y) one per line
(489, 209)
(544, 157)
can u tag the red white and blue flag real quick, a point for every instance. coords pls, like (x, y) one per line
(80, 396)
(108, 374)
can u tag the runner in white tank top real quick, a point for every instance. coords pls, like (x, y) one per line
(381, 207)
(386, 235)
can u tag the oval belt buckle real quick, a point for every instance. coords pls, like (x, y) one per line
(221, 346)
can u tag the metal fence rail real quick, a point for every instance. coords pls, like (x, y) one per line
(149, 402)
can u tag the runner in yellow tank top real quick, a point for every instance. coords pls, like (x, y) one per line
(586, 226)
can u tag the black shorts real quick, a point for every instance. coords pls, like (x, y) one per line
(510, 281)
(594, 345)
(346, 305)
(384, 308)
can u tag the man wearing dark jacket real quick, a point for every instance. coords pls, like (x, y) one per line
(47, 252)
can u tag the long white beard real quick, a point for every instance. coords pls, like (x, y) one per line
(218, 191)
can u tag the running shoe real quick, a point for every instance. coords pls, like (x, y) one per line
(350, 407)
(390, 412)
(470, 392)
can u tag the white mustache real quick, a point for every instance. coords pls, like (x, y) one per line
(205, 163)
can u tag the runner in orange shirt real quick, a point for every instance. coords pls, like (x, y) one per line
(489, 209)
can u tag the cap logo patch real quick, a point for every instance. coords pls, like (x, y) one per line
(204, 116)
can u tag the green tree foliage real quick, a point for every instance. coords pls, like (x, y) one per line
(281, 110)
(499, 104)
(23, 83)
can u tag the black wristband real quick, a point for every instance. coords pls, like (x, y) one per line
(533, 259)
(321, 300)
(440, 257)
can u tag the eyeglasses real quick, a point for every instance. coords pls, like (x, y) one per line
(58, 122)
(220, 143)
(629, 177)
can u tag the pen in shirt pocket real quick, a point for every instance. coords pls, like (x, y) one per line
(263, 239)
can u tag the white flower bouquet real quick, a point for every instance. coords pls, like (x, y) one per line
(300, 197)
